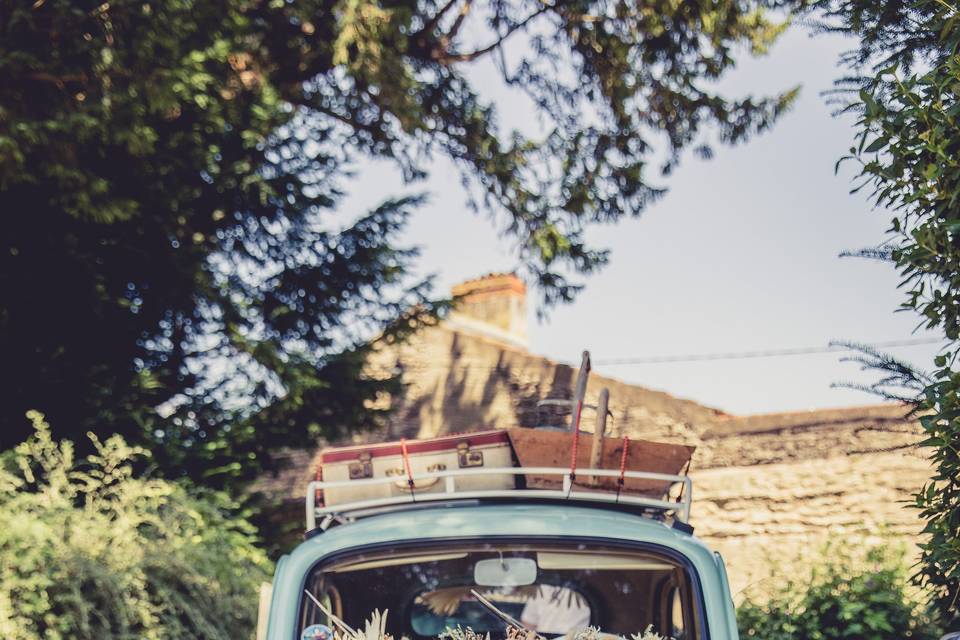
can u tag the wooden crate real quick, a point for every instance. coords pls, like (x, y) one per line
(544, 448)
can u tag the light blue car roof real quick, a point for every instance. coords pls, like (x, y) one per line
(459, 520)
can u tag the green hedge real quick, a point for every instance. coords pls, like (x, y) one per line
(850, 594)
(89, 549)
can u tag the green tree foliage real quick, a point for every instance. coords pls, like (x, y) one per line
(866, 596)
(172, 174)
(908, 153)
(90, 551)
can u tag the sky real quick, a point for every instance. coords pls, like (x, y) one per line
(742, 255)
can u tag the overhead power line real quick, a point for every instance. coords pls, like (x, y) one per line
(693, 357)
(767, 353)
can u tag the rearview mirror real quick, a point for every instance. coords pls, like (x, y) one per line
(505, 572)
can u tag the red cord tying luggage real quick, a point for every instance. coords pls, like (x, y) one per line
(623, 466)
(318, 496)
(623, 460)
(406, 466)
(576, 443)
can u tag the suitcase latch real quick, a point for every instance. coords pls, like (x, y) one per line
(468, 458)
(362, 468)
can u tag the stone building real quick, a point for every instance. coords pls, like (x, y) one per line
(768, 489)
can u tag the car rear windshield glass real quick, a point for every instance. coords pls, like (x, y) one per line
(555, 589)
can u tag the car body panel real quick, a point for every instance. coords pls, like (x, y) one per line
(454, 521)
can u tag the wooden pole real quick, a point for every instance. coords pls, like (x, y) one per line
(596, 453)
(577, 406)
(579, 392)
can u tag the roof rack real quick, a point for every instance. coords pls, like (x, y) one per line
(679, 509)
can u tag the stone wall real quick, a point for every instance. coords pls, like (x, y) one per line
(769, 499)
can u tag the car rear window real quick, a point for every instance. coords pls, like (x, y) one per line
(554, 588)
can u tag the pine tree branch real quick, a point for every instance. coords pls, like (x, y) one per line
(447, 58)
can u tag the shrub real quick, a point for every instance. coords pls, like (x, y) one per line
(855, 596)
(90, 549)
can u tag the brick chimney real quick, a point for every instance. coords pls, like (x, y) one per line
(494, 306)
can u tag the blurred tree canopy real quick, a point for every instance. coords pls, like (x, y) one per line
(906, 85)
(172, 177)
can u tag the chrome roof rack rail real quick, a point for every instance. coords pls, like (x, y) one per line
(679, 509)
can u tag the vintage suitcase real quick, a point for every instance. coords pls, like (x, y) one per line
(489, 449)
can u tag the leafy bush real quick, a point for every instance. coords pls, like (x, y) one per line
(909, 144)
(908, 155)
(861, 596)
(89, 549)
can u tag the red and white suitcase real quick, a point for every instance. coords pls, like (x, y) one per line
(490, 449)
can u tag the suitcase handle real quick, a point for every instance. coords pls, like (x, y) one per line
(404, 484)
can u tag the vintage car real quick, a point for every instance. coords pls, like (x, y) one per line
(444, 536)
